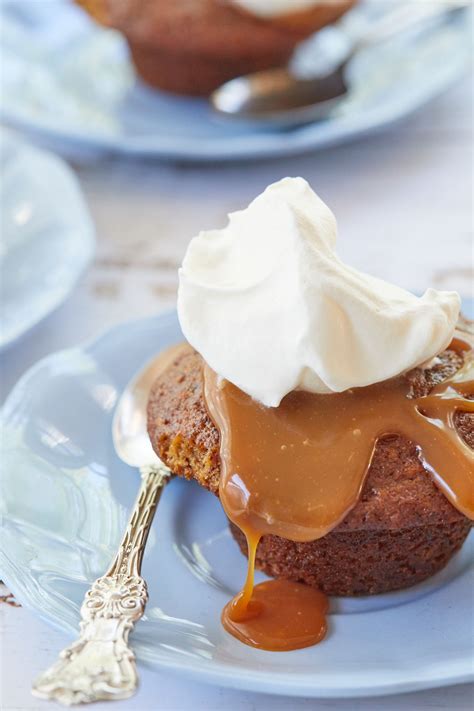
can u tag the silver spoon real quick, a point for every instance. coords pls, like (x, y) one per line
(100, 665)
(281, 97)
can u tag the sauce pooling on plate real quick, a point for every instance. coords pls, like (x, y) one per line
(295, 471)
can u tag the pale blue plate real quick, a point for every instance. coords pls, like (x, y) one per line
(70, 83)
(65, 501)
(46, 236)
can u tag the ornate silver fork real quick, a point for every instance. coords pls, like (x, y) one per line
(100, 664)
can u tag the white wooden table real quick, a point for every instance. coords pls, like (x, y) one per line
(403, 199)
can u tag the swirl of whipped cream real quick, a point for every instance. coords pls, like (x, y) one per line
(270, 306)
(275, 8)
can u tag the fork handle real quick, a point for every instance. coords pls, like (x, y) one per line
(100, 665)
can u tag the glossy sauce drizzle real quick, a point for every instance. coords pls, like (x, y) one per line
(296, 471)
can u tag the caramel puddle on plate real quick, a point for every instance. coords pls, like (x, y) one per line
(276, 615)
(267, 453)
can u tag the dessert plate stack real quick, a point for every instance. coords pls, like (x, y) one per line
(65, 501)
(71, 83)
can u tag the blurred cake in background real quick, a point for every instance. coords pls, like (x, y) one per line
(194, 46)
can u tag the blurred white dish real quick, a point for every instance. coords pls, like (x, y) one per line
(65, 500)
(70, 82)
(47, 237)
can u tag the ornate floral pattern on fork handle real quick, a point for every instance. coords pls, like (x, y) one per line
(100, 664)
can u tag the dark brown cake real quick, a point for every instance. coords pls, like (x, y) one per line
(402, 530)
(193, 46)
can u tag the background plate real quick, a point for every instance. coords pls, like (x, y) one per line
(71, 83)
(65, 501)
(47, 237)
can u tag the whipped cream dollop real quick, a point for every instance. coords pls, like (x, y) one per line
(271, 307)
(275, 8)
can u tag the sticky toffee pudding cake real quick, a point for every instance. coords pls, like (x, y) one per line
(402, 523)
(334, 419)
(194, 46)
